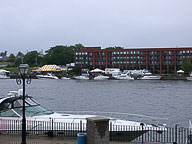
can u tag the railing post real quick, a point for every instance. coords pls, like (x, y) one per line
(175, 134)
(142, 124)
(81, 126)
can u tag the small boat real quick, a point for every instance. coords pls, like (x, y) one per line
(81, 77)
(190, 76)
(124, 76)
(4, 74)
(100, 77)
(39, 119)
(84, 75)
(65, 78)
(148, 76)
(47, 76)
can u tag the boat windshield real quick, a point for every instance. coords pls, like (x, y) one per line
(13, 107)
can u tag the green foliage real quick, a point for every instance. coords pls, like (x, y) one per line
(3, 54)
(11, 57)
(75, 71)
(31, 58)
(61, 55)
(19, 59)
(115, 47)
(187, 65)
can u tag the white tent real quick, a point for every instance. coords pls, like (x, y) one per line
(180, 71)
(97, 70)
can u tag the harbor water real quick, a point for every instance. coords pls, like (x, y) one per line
(151, 101)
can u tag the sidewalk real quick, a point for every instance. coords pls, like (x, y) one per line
(15, 139)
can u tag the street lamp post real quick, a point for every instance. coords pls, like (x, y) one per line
(23, 69)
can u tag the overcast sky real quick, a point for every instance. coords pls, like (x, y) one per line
(40, 24)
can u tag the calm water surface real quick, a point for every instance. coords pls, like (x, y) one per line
(167, 102)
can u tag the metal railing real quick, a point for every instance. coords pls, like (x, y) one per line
(116, 133)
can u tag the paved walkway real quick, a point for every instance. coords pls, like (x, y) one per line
(15, 139)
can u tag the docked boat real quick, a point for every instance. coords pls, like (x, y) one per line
(148, 76)
(190, 76)
(47, 76)
(4, 74)
(40, 119)
(82, 77)
(124, 76)
(100, 77)
(65, 78)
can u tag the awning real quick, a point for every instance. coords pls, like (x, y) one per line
(50, 68)
(180, 71)
(97, 70)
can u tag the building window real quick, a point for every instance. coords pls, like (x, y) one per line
(180, 52)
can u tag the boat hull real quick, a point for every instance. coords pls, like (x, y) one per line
(189, 78)
(151, 78)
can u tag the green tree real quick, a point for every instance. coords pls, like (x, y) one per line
(12, 58)
(187, 65)
(19, 58)
(33, 58)
(3, 54)
(75, 71)
(61, 55)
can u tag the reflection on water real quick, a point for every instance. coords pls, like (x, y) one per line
(155, 98)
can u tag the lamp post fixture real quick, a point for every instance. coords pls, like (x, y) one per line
(23, 69)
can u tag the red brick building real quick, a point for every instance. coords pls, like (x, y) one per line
(156, 60)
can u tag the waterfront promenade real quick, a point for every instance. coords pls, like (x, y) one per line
(15, 139)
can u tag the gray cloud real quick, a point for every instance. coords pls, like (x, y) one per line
(40, 24)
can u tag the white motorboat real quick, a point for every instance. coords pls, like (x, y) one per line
(100, 77)
(190, 76)
(47, 76)
(41, 119)
(124, 76)
(148, 76)
(4, 74)
(82, 77)
(65, 78)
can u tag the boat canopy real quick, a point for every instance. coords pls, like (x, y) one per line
(180, 71)
(97, 70)
(12, 107)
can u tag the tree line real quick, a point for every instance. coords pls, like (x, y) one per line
(59, 55)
